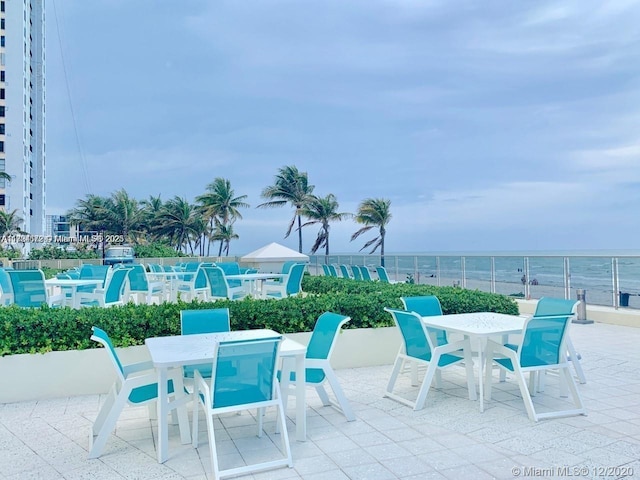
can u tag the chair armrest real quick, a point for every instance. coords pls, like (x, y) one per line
(138, 367)
(200, 386)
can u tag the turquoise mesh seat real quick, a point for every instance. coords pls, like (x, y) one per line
(254, 386)
(318, 368)
(356, 272)
(211, 320)
(29, 290)
(364, 271)
(542, 348)
(383, 276)
(6, 294)
(418, 347)
(427, 306)
(219, 287)
(135, 384)
(139, 284)
(332, 270)
(291, 284)
(231, 268)
(112, 295)
(344, 271)
(325, 270)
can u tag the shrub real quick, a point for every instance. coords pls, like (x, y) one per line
(45, 329)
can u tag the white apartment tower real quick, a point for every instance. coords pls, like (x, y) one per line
(22, 111)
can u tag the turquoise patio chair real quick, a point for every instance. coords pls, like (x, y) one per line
(332, 270)
(427, 306)
(325, 270)
(211, 320)
(418, 347)
(29, 290)
(135, 384)
(195, 287)
(344, 271)
(291, 284)
(112, 295)
(356, 272)
(542, 348)
(254, 386)
(318, 370)
(139, 285)
(383, 276)
(219, 287)
(364, 271)
(231, 268)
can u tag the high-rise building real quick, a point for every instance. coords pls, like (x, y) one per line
(22, 111)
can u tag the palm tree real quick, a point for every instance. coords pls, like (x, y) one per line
(151, 208)
(220, 205)
(5, 176)
(179, 222)
(90, 214)
(290, 186)
(123, 215)
(373, 212)
(10, 223)
(322, 211)
(225, 234)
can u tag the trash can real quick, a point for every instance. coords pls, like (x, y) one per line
(581, 311)
(624, 299)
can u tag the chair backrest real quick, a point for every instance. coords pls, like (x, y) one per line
(344, 271)
(364, 271)
(415, 338)
(554, 306)
(543, 340)
(137, 278)
(115, 286)
(28, 287)
(286, 266)
(231, 268)
(94, 272)
(201, 278)
(324, 335)
(294, 280)
(5, 286)
(425, 306)
(332, 270)
(356, 272)
(101, 336)
(209, 320)
(382, 274)
(190, 267)
(325, 270)
(218, 286)
(255, 378)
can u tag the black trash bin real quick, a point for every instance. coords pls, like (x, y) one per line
(624, 299)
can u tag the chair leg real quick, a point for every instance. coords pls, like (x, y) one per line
(488, 375)
(104, 411)
(322, 393)
(570, 382)
(426, 382)
(284, 437)
(215, 468)
(108, 425)
(526, 396)
(394, 374)
(195, 421)
(345, 406)
(575, 361)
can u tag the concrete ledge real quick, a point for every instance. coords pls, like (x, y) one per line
(28, 377)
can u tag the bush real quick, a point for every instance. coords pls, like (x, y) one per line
(157, 250)
(46, 329)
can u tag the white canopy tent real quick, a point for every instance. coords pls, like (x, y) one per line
(270, 258)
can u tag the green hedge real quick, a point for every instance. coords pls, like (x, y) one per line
(47, 329)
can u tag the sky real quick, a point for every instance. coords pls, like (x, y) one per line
(490, 126)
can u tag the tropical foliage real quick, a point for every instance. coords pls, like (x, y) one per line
(322, 210)
(290, 186)
(372, 213)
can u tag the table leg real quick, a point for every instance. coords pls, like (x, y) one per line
(163, 434)
(482, 347)
(301, 403)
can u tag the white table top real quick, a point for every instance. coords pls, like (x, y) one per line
(477, 323)
(175, 351)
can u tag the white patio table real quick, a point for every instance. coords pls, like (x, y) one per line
(72, 284)
(256, 281)
(177, 351)
(170, 280)
(479, 326)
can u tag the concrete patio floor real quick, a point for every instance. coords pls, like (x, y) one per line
(449, 439)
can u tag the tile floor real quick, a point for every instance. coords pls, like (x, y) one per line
(449, 439)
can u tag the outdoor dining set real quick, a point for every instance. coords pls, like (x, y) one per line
(104, 285)
(212, 369)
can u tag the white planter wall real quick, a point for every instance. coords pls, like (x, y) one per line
(30, 377)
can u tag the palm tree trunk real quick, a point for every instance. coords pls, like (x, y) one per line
(299, 234)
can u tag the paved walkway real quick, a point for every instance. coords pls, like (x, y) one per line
(449, 439)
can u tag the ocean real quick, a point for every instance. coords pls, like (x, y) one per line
(607, 278)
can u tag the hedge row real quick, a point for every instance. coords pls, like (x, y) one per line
(47, 329)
